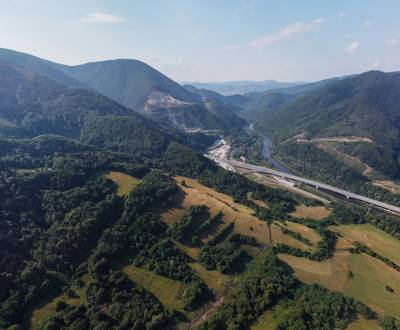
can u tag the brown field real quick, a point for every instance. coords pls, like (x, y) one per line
(192, 252)
(388, 185)
(305, 231)
(372, 237)
(256, 201)
(219, 283)
(124, 182)
(312, 212)
(331, 274)
(245, 222)
(363, 324)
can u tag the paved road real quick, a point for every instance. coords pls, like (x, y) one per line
(316, 184)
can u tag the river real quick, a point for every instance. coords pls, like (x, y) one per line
(267, 150)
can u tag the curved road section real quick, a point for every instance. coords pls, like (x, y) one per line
(316, 184)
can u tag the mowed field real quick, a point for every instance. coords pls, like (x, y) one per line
(312, 212)
(363, 324)
(370, 276)
(374, 238)
(125, 183)
(246, 223)
(331, 273)
(366, 282)
(167, 291)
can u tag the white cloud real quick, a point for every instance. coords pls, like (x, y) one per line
(352, 47)
(367, 23)
(287, 33)
(376, 64)
(103, 18)
(392, 41)
(342, 15)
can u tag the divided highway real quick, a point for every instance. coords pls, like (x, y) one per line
(315, 184)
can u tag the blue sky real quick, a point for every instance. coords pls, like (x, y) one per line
(212, 40)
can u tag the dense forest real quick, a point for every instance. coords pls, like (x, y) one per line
(68, 234)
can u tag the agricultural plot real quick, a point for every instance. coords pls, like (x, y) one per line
(374, 238)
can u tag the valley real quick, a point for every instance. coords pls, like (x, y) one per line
(128, 201)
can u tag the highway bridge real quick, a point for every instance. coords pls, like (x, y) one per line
(317, 185)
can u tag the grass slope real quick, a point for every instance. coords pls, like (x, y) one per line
(124, 182)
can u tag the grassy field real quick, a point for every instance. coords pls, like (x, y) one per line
(246, 223)
(370, 276)
(215, 280)
(124, 182)
(372, 237)
(168, 291)
(312, 212)
(363, 324)
(48, 308)
(265, 322)
(331, 273)
(192, 252)
(305, 231)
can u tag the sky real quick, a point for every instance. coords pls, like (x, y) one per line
(212, 40)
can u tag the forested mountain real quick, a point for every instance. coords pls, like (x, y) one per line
(137, 86)
(32, 105)
(364, 107)
(129, 82)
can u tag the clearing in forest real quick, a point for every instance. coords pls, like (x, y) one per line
(265, 322)
(48, 308)
(312, 212)
(124, 182)
(168, 291)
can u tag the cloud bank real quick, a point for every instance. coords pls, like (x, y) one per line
(102, 18)
(286, 33)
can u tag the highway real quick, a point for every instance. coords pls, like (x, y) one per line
(315, 184)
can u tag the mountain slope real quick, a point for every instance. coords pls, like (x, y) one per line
(364, 107)
(38, 65)
(32, 105)
(129, 82)
(133, 84)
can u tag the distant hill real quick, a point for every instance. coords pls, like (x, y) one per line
(243, 87)
(365, 106)
(32, 105)
(134, 84)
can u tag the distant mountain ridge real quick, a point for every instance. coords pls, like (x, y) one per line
(133, 84)
(243, 87)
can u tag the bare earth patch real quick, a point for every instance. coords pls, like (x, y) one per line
(388, 185)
